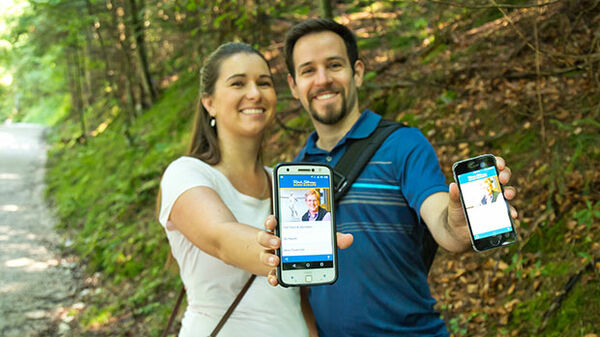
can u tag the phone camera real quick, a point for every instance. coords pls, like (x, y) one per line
(482, 165)
(287, 170)
(313, 170)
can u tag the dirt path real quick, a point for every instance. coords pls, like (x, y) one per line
(35, 284)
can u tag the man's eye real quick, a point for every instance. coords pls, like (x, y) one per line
(237, 84)
(265, 84)
(307, 71)
(336, 65)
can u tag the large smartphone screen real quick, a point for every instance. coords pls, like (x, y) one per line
(485, 205)
(305, 221)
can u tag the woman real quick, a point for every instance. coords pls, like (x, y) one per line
(214, 202)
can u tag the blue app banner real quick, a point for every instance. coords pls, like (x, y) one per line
(307, 258)
(303, 181)
(477, 175)
(492, 233)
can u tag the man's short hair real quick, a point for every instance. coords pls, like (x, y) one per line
(316, 26)
(313, 192)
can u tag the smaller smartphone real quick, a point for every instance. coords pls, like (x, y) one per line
(482, 197)
(303, 206)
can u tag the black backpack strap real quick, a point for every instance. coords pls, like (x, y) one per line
(357, 156)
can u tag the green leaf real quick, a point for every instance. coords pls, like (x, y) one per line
(370, 75)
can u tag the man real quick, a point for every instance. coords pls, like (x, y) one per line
(315, 211)
(382, 287)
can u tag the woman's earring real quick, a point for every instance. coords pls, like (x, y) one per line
(213, 122)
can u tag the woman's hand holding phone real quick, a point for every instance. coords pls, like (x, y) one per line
(270, 242)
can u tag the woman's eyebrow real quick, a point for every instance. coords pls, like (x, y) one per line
(236, 75)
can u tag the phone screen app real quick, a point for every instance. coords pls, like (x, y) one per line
(305, 215)
(484, 202)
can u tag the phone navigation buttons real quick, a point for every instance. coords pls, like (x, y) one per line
(308, 278)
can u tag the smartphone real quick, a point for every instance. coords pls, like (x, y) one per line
(303, 206)
(482, 197)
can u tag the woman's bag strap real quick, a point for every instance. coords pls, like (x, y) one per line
(174, 312)
(228, 313)
(236, 301)
(232, 306)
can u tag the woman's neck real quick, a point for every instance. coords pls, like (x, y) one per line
(241, 165)
(239, 154)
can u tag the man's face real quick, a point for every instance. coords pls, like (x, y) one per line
(313, 203)
(324, 82)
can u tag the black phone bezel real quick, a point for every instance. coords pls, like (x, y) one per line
(474, 164)
(278, 229)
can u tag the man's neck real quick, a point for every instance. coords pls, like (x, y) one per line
(330, 135)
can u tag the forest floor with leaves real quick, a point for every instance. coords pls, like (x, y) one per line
(540, 110)
(486, 90)
(522, 83)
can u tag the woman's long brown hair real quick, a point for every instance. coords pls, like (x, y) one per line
(204, 144)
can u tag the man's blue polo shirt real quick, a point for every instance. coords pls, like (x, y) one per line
(382, 287)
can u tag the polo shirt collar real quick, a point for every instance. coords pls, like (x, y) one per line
(364, 126)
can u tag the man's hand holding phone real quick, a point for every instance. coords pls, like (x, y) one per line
(270, 242)
(458, 213)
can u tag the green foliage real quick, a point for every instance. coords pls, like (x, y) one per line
(589, 214)
(104, 192)
(437, 50)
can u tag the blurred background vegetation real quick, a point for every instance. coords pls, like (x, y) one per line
(117, 82)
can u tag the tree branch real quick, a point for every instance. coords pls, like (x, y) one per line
(473, 6)
(484, 139)
(289, 128)
(565, 292)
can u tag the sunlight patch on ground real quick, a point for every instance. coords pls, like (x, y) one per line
(10, 176)
(9, 208)
(31, 265)
(9, 287)
(36, 314)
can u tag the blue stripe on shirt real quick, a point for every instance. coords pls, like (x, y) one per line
(379, 186)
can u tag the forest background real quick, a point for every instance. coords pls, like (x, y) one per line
(118, 80)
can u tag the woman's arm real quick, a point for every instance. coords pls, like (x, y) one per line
(203, 218)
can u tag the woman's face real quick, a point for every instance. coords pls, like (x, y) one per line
(243, 101)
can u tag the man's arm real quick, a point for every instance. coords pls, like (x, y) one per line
(444, 216)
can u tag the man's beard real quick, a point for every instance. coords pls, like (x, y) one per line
(332, 115)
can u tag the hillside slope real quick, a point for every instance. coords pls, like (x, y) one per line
(518, 82)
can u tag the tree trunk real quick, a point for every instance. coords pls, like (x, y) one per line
(326, 9)
(127, 94)
(138, 32)
(108, 74)
(70, 80)
(77, 77)
(86, 76)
